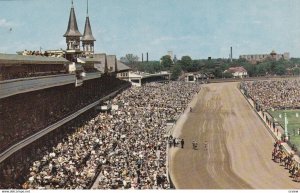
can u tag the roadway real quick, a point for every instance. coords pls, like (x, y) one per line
(239, 146)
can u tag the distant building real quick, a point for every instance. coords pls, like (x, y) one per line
(175, 59)
(139, 78)
(255, 58)
(190, 77)
(85, 55)
(237, 72)
(170, 53)
(123, 71)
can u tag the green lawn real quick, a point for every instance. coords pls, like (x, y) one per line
(293, 124)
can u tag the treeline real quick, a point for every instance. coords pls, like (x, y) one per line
(218, 66)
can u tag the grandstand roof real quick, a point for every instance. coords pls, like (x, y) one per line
(122, 67)
(111, 60)
(89, 60)
(30, 59)
(102, 59)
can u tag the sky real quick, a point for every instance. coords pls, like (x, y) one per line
(198, 28)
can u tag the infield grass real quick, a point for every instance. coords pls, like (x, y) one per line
(293, 123)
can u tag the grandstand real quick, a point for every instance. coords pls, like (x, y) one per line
(42, 94)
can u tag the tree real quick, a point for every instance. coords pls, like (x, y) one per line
(280, 69)
(251, 69)
(166, 61)
(129, 59)
(261, 69)
(150, 67)
(175, 72)
(186, 63)
(227, 75)
(296, 71)
(218, 72)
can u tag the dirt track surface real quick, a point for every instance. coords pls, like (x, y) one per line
(239, 146)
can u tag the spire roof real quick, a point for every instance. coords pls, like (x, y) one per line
(72, 26)
(88, 35)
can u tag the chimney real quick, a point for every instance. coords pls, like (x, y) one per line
(142, 57)
(147, 56)
(230, 54)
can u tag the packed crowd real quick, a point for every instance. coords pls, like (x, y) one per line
(39, 53)
(24, 114)
(125, 147)
(14, 170)
(274, 94)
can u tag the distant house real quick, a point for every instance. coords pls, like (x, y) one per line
(237, 72)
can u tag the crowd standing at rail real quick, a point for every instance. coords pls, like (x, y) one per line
(274, 94)
(126, 146)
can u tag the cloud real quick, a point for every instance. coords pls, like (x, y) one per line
(5, 24)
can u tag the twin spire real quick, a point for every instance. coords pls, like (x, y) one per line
(73, 32)
(87, 35)
(72, 26)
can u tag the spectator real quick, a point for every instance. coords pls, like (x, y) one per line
(126, 146)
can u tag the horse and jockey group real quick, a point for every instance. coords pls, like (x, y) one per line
(175, 142)
(287, 160)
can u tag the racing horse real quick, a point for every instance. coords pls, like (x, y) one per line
(297, 176)
(283, 159)
(278, 156)
(289, 161)
(293, 170)
(275, 155)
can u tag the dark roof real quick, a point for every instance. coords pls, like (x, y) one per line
(122, 67)
(111, 63)
(30, 59)
(72, 26)
(91, 60)
(103, 60)
(99, 61)
(88, 35)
